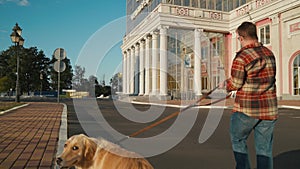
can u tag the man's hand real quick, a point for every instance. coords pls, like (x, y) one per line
(222, 85)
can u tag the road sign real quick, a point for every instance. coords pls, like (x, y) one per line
(60, 54)
(59, 66)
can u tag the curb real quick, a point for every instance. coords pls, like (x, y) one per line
(289, 107)
(205, 107)
(63, 131)
(14, 108)
(180, 106)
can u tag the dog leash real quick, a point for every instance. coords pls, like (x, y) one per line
(177, 113)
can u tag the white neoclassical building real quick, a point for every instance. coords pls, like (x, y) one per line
(182, 48)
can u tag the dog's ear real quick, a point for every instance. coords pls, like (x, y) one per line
(90, 149)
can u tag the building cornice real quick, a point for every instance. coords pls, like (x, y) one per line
(183, 17)
(258, 11)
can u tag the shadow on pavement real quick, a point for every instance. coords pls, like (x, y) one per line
(287, 160)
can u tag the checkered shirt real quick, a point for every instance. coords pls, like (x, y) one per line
(253, 77)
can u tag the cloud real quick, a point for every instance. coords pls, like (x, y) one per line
(18, 2)
(23, 3)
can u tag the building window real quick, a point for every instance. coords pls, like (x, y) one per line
(195, 3)
(204, 51)
(180, 44)
(230, 5)
(237, 3)
(177, 2)
(211, 4)
(191, 81)
(186, 2)
(264, 34)
(204, 83)
(225, 5)
(219, 5)
(217, 45)
(203, 4)
(296, 75)
(216, 81)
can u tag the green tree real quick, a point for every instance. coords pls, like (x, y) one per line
(36, 64)
(79, 81)
(4, 87)
(91, 85)
(116, 83)
(8, 69)
(105, 90)
(32, 63)
(65, 76)
(4, 66)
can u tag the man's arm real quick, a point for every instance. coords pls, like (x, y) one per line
(236, 81)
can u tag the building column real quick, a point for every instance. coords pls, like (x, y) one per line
(163, 61)
(136, 69)
(142, 67)
(147, 65)
(154, 62)
(124, 76)
(132, 60)
(235, 43)
(128, 75)
(197, 63)
(276, 41)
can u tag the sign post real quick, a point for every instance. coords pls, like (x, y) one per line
(59, 66)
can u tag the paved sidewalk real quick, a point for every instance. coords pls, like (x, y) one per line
(29, 136)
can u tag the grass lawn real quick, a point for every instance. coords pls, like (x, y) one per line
(8, 105)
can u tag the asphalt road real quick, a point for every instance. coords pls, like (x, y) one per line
(214, 153)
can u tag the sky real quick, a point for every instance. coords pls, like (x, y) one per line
(90, 31)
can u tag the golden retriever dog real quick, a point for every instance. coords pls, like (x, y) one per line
(84, 152)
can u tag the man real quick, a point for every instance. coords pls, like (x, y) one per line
(255, 108)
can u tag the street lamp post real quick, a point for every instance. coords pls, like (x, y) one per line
(41, 78)
(17, 39)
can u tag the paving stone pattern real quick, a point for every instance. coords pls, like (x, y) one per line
(29, 136)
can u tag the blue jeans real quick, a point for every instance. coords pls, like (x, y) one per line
(241, 126)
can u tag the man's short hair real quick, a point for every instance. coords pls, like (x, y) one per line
(247, 30)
